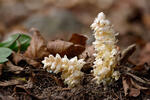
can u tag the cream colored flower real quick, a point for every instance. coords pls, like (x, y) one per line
(70, 69)
(106, 50)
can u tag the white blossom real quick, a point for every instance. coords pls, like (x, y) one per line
(106, 50)
(70, 69)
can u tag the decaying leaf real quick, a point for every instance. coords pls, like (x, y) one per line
(125, 86)
(139, 79)
(126, 53)
(71, 48)
(13, 68)
(65, 48)
(12, 82)
(134, 92)
(78, 39)
(137, 85)
(38, 46)
(18, 58)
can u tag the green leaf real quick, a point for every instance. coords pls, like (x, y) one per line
(4, 53)
(16, 42)
(3, 60)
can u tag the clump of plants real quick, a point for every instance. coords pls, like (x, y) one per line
(106, 56)
(32, 67)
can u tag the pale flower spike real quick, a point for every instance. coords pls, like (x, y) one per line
(70, 69)
(106, 50)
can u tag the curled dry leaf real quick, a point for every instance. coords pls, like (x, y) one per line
(134, 92)
(78, 39)
(38, 47)
(137, 85)
(18, 58)
(139, 79)
(65, 48)
(126, 53)
(128, 89)
(125, 86)
(12, 68)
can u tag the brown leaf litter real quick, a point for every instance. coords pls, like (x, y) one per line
(28, 80)
(38, 46)
(71, 48)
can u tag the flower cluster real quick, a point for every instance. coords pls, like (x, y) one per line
(70, 69)
(106, 50)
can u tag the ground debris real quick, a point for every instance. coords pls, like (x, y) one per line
(65, 48)
(38, 46)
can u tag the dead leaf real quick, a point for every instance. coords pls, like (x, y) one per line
(137, 85)
(142, 69)
(65, 48)
(125, 86)
(12, 82)
(19, 59)
(38, 46)
(78, 39)
(139, 79)
(13, 68)
(126, 53)
(87, 55)
(134, 92)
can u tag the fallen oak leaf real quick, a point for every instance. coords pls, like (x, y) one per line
(65, 48)
(134, 92)
(38, 47)
(78, 39)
